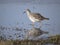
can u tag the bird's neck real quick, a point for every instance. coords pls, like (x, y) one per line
(28, 13)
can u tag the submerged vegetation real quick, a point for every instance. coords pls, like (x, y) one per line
(55, 40)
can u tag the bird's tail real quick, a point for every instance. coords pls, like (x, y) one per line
(46, 18)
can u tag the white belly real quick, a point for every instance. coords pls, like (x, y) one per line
(33, 19)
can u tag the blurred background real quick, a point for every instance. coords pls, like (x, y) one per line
(13, 21)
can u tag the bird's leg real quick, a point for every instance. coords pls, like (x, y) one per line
(40, 24)
(33, 24)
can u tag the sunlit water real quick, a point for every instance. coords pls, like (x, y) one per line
(11, 15)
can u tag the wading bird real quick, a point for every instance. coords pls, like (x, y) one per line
(35, 17)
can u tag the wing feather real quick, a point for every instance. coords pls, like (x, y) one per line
(37, 16)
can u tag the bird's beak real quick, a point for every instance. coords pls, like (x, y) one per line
(24, 12)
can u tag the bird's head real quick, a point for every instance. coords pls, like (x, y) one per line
(27, 11)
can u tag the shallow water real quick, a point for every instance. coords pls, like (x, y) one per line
(11, 15)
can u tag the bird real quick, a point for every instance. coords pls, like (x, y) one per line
(34, 32)
(35, 17)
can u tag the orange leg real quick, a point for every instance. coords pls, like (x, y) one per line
(33, 24)
(40, 24)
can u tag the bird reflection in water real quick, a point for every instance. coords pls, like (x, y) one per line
(34, 32)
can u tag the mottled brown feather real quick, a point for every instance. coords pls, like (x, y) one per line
(37, 16)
